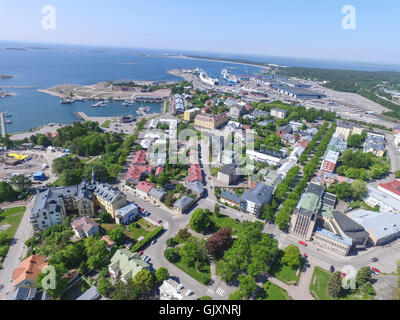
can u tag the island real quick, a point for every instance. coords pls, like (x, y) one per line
(126, 89)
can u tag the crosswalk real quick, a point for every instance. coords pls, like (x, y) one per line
(219, 291)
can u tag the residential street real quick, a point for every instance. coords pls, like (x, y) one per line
(16, 252)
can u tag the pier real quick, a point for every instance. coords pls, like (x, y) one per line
(3, 125)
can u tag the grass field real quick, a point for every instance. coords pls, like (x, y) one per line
(283, 272)
(145, 227)
(202, 276)
(320, 289)
(274, 292)
(224, 221)
(11, 217)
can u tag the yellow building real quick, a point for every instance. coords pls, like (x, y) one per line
(357, 129)
(108, 198)
(345, 128)
(210, 121)
(190, 114)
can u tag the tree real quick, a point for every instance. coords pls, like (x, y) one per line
(247, 286)
(96, 252)
(161, 274)
(169, 200)
(200, 221)
(355, 141)
(60, 281)
(216, 209)
(172, 255)
(335, 289)
(183, 234)
(105, 217)
(171, 242)
(343, 190)
(128, 291)
(193, 252)
(7, 193)
(363, 275)
(219, 242)
(104, 287)
(291, 256)
(43, 140)
(21, 182)
(397, 174)
(144, 280)
(359, 189)
(117, 235)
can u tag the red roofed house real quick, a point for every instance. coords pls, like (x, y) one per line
(51, 135)
(195, 173)
(159, 170)
(391, 188)
(140, 157)
(143, 188)
(110, 243)
(25, 275)
(136, 172)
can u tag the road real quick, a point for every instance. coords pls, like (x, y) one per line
(16, 252)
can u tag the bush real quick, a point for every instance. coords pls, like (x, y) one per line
(172, 255)
(171, 242)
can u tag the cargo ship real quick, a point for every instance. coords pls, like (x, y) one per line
(206, 79)
(226, 74)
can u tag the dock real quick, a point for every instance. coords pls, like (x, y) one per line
(3, 125)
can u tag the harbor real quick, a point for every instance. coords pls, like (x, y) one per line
(3, 125)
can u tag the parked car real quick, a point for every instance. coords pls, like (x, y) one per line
(144, 258)
(147, 259)
(140, 253)
(303, 243)
(305, 256)
(332, 269)
(374, 259)
(159, 221)
(376, 270)
(153, 242)
(343, 274)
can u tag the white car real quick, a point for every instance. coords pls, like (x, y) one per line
(147, 259)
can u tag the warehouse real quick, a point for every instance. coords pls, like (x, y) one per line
(299, 93)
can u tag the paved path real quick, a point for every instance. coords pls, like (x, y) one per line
(16, 252)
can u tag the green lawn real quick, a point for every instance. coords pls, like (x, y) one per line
(283, 272)
(214, 171)
(106, 124)
(145, 228)
(224, 221)
(12, 217)
(204, 274)
(275, 292)
(320, 289)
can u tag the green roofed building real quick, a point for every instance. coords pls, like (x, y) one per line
(125, 265)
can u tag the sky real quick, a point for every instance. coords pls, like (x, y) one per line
(290, 28)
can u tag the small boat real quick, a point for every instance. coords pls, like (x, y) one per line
(66, 101)
(7, 121)
(126, 103)
(7, 114)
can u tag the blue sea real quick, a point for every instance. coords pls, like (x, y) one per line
(66, 64)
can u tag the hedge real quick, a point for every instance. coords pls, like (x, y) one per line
(147, 239)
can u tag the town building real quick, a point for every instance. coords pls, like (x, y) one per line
(386, 203)
(84, 227)
(110, 243)
(127, 214)
(332, 242)
(302, 223)
(230, 198)
(210, 121)
(195, 173)
(125, 265)
(375, 144)
(261, 157)
(278, 113)
(253, 201)
(196, 188)
(345, 226)
(90, 295)
(143, 188)
(172, 290)
(330, 160)
(236, 111)
(391, 188)
(297, 92)
(229, 174)
(347, 129)
(157, 194)
(24, 276)
(182, 204)
(382, 228)
(190, 114)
